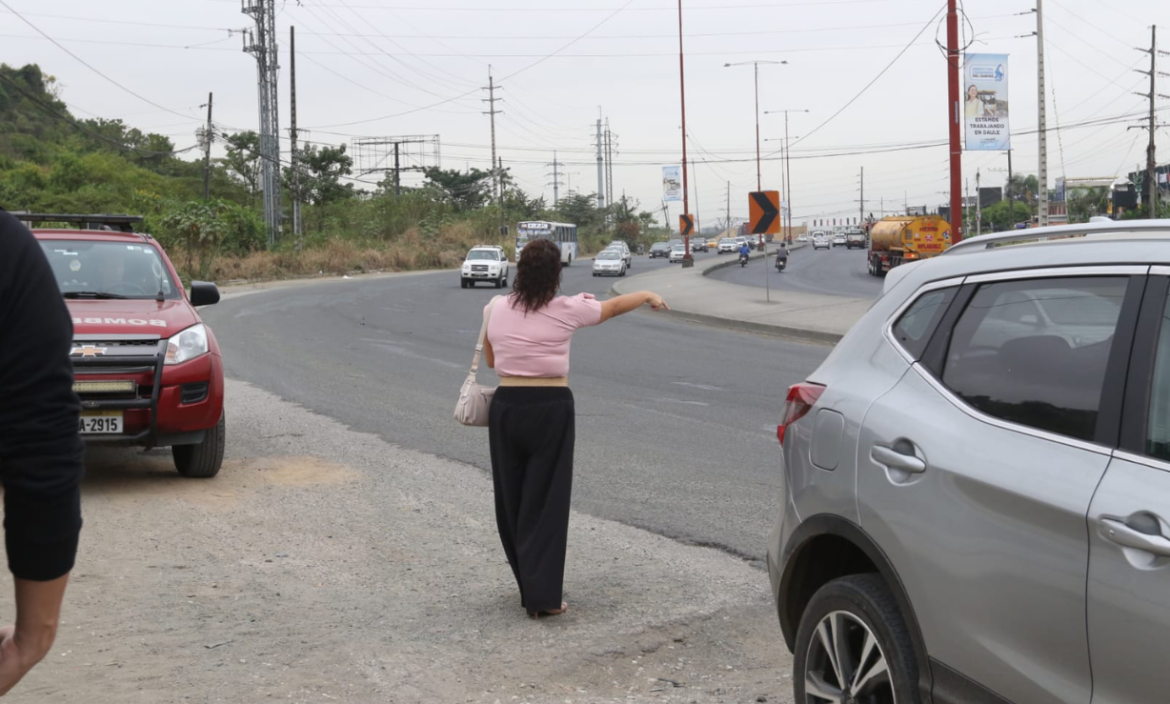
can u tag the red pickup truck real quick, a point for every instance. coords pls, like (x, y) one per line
(147, 369)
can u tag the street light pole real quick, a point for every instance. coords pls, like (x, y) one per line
(759, 173)
(759, 168)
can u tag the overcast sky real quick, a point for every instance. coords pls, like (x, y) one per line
(390, 68)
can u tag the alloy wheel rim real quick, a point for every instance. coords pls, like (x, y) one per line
(845, 664)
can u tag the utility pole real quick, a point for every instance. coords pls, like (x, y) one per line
(295, 148)
(1011, 195)
(788, 169)
(1042, 190)
(556, 179)
(1151, 194)
(600, 164)
(608, 164)
(728, 205)
(688, 260)
(397, 169)
(491, 101)
(954, 117)
(695, 178)
(967, 203)
(208, 138)
(262, 44)
(861, 217)
(978, 206)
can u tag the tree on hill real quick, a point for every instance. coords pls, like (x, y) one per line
(463, 190)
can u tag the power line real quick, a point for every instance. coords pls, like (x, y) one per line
(661, 8)
(870, 84)
(511, 75)
(83, 62)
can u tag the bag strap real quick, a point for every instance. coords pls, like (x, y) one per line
(487, 316)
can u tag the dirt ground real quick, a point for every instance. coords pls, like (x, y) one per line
(326, 565)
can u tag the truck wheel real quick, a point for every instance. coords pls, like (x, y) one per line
(202, 461)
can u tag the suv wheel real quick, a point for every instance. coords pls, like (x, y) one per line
(853, 646)
(504, 280)
(203, 460)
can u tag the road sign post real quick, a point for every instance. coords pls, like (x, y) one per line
(764, 217)
(686, 228)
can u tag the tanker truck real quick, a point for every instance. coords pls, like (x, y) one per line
(897, 240)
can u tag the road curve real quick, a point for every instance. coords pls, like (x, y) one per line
(834, 272)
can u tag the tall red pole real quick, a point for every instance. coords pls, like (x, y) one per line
(688, 260)
(955, 115)
(759, 177)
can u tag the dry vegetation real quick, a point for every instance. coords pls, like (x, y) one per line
(412, 251)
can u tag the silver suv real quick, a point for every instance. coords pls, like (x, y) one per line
(976, 486)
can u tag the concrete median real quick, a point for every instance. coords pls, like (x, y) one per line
(692, 295)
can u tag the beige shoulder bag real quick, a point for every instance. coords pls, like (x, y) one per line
(475, 400)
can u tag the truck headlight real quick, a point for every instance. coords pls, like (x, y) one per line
(187, 345)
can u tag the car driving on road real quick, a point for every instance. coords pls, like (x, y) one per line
(840, 241)
(820, 242)
(609, 263)
(147, 369)
(678, 253)
(976, 481)
(698, 244)
(623, 249)
(660, 250)
(728, 245)
(485, 263)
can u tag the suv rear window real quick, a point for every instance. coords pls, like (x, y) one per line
(1035, 351)
(1158, 431)
(914, 328)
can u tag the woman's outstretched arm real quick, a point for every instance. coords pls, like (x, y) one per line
(629, 302)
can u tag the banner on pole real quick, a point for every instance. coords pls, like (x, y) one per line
(671, 183)
(985, 104)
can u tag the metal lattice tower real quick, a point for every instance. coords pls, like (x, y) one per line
(262, 44)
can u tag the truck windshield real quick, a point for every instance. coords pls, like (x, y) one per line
(109, 269)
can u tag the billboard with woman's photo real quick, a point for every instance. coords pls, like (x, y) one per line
(985, 103)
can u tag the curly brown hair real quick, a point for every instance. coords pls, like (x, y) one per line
(538, 275)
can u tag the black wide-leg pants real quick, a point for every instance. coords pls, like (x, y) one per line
(532, 436)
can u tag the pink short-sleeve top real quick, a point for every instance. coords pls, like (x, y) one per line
(536, 344)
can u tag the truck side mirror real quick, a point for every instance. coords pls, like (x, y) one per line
(204, 293)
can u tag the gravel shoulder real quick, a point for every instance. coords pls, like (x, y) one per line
(328, 565)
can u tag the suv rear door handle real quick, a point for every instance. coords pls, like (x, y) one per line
(890, 457)
(1119, 533)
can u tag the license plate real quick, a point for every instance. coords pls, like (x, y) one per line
(101, 423)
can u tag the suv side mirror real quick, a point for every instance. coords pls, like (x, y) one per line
(204, 293)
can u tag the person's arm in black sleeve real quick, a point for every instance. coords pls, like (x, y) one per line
(41, 454)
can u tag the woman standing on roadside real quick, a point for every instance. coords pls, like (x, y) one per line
(532, 417)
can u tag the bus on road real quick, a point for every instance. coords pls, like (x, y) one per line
(563, 233)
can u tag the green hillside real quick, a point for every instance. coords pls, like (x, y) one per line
(54, 161)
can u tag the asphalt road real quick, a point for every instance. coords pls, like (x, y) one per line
(676, 422)
(836, 272)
